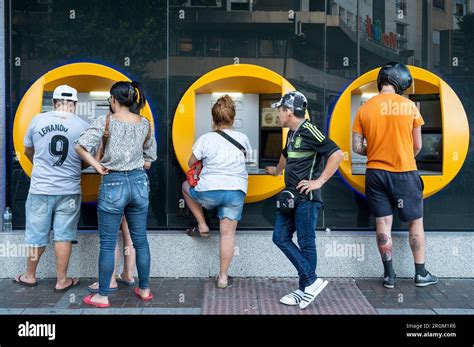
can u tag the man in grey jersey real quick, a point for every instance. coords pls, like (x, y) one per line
(55, 189)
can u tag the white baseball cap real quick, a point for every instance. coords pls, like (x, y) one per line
(65, 92)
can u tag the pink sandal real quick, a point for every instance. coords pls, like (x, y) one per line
(88, 300)
(148, 298)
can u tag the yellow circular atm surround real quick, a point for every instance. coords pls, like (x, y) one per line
(455, 128)
(85, 77)
(242, 78)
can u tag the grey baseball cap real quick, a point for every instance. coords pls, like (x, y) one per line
(295, 101)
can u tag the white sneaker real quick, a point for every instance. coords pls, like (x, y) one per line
(292, 299)
(311, 292)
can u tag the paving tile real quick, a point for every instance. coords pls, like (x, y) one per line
(248, 296)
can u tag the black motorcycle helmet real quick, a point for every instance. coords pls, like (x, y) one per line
(397, 74)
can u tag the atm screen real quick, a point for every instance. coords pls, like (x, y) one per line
(432, 148)
(430, 157)
(271, 142)
(430, 109)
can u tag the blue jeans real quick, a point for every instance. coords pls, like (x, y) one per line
(123, 193)
(303, 220)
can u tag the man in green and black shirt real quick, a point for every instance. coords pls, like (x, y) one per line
(305, 174)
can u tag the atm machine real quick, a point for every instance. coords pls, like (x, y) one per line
(255, 118)
(445, 134)
(93, 82)
(89, 105)
(270, 131)
(430, 159)
(358, 162)
(253, 89)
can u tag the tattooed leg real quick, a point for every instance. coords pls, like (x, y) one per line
(384, 237)
(417, 240)
(384, 242)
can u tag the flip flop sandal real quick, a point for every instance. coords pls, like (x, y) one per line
(96, 290)
(122, 281)
(18, 280)
(88, 300)
(148, 298)
(194, 232)
(65, 289)
(230, 281)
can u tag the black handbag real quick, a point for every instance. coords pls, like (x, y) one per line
(286, 202)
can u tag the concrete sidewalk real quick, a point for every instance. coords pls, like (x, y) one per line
(255, 296)
(347, 254)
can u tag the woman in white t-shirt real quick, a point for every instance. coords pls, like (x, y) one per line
(222, 183)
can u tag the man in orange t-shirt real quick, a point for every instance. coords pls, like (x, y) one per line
(391, 126)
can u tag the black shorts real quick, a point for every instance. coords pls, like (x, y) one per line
(387, 190)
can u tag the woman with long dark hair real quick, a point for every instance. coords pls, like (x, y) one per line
(128, 147)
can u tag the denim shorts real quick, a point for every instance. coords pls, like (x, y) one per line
(229, 203)
(63, 211)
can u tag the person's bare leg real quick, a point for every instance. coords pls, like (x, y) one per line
(113, 280)
(384, 243)
(384, 236)
(417, 240)
(33, 256)
(63, 250)
(129, 256)
(227, 244)
(417, 244)
(195, 208)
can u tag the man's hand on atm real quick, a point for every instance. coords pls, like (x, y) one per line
(272, 170)
(277, 170)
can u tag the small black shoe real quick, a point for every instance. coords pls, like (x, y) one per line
(423, 281)
(389, 281)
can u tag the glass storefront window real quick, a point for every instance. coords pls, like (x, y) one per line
(168, 45)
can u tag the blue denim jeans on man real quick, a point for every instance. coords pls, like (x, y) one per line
(124, 192)
(303, 220)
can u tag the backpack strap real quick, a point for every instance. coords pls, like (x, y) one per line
(233, 141)
(105, 138)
